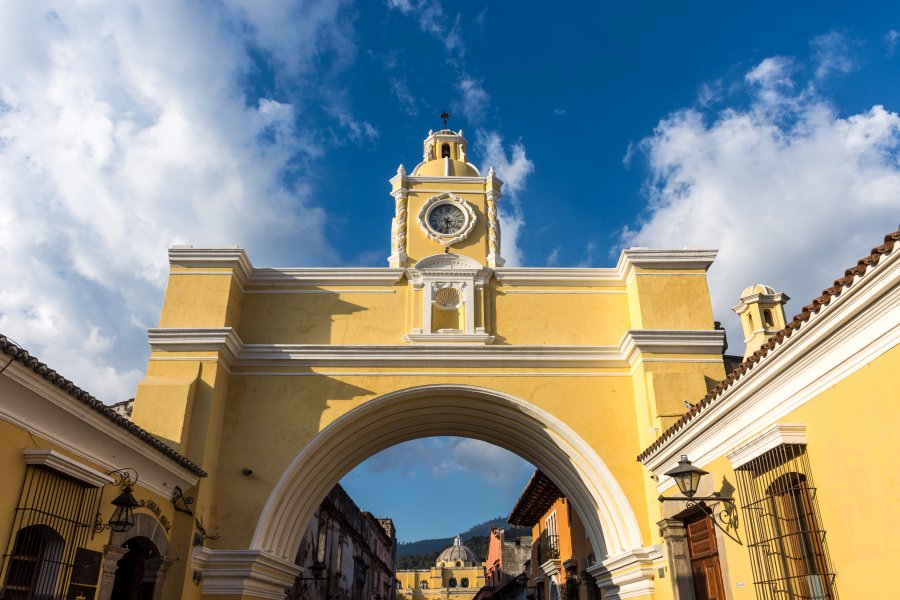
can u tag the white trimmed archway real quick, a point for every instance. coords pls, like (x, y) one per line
(454, 410)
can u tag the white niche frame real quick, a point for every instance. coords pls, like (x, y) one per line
(438, 272)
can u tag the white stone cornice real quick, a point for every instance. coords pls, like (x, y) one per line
(777, 435)
(234, 257)
(245, 573)
(627, 575)
(61, 463)
(224, 340)
(665, 341)
(451, 338)
(325, 276)
(560, 277)
(458, 350)
(645, 258)
(444, 179)
(855, 328)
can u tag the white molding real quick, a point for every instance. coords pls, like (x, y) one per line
(458, 350)
(65, 465)
(854, 329)
(558, 276)
(674, 341)
(449, 338)
(247, 573)
(51, 414)
(627, 575)
(316, 291)
(551, 567)
(645, 258)
(777, 435)
(503, 291)
(234, 257)
(443, 180)
(325, 276)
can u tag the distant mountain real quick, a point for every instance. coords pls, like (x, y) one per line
(481, 530)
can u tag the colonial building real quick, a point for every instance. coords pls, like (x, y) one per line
(560, 552)
(87, 501)
(346, 554)
(457, 574)
(506, 563)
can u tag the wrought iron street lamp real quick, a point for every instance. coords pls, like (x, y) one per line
(687, 477)
(122, 519)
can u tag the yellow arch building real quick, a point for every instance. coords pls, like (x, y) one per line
(275, 382)
(300, 374)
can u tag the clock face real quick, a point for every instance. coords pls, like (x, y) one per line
(446, 219)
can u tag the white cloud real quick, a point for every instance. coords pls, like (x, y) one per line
(831, 54)
(123, 130)
(513, 169)
(788, 191)
(400, 88)
(439, 457)
(891, 38)
(474, 101)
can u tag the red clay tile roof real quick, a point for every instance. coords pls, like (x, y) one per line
(17, 353)
(773, 342)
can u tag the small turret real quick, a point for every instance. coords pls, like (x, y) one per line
(761, 310)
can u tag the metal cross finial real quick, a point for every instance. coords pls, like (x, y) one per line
(444, 117)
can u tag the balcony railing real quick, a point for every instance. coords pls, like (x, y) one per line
(548, 548)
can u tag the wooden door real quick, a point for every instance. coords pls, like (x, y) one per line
(704, 552)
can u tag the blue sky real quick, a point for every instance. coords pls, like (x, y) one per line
(767, 130)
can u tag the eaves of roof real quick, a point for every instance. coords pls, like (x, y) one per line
(799, 320)
(19, 354)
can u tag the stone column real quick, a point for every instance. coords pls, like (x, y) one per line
(674, 532)
(111, 557)
(162, 569)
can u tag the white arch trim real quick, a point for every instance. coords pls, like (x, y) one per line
(459, 410)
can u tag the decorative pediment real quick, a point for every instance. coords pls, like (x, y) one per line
(448, 262)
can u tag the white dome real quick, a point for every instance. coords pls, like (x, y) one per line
(457, 553)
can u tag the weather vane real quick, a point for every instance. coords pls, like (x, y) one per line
(444, 117)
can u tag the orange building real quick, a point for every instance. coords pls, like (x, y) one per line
(560, 551)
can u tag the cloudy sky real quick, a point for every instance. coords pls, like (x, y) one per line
(769, 131)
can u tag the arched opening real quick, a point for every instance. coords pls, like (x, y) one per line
(445, 151)
(34, 564)
(449, 410)
(767, 317)
(136, 570)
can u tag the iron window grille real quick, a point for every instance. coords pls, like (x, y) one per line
(786, 538)
(53, 519)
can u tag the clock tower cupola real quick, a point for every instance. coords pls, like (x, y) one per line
(445, 205)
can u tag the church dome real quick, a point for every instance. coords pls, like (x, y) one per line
(457, 553)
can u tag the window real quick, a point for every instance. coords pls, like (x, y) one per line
(464, 583)
(423, 585)
(784, 527)
(452, 582)
(445, 151)
(45, 552)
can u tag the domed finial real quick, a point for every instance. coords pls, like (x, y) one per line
(400, 170)
(491, 171)
(457, 541)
